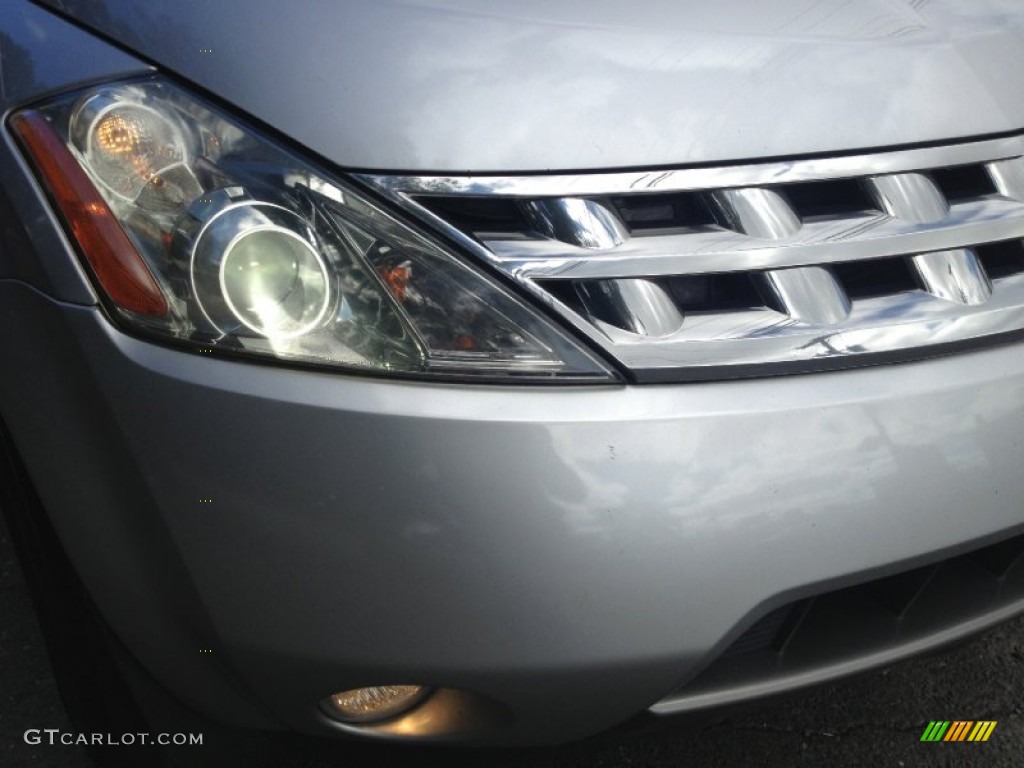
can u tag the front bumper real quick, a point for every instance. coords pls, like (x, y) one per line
(570, 554)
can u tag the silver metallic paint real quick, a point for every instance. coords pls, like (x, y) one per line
(654, 519)
(459, 85)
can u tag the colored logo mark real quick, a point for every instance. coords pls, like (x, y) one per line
(958, 730)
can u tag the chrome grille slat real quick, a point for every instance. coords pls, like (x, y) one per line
(954, 275)
(573, 220)
(910, 196)
(638, 261)
(810, 294)
(757, 212)
(1008, 176)
(643, 305)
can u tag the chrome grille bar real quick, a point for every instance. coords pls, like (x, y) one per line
(828, 241)
(597, 184)
(776, 274)
(714, 343)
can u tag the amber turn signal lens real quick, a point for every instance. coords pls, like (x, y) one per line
(113, 260)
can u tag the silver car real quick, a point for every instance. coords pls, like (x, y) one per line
(503, 372)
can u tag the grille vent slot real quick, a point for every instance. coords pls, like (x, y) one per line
(811, 635)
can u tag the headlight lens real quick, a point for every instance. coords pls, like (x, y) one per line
(251, 250)
(126, 144)
(254, 267)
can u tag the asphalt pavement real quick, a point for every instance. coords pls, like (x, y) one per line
(872, 720)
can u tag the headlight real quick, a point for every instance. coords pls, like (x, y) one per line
(198, 230)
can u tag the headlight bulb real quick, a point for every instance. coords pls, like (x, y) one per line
(137, 153)
(254, 265)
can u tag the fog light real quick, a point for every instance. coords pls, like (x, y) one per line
(365, 705)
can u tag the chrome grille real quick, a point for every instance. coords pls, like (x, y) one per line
(761, 268)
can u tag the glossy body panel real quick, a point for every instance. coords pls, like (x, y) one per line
(534, 86)
(102, 509)
(569, 553)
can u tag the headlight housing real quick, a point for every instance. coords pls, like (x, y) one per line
(197, 230)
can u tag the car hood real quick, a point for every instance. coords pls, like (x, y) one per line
(534, 85)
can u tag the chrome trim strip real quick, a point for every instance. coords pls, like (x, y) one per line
(713, 249)
(688, 179)
(762, 336)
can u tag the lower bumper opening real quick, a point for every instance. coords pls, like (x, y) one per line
(843, 631)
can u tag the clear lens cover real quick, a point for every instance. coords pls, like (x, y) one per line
(261, 254)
